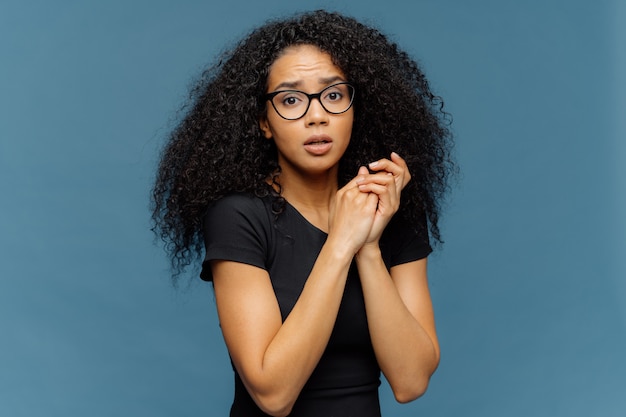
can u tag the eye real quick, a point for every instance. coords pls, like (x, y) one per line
(290, 100)
(335, 93)
(333, 96)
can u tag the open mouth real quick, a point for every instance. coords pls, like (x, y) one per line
(318, 140)
(318, 145)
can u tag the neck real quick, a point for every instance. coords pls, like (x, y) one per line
(309, 191)
(311, 195)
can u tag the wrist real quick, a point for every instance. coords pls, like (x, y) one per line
(369, 251)
(340, 248)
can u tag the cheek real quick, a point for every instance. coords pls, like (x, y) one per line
(349, 123)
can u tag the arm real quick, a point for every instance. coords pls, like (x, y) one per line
(398, 304)
(275, 359)
(401, 322)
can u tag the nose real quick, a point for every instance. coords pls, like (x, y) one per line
(316, 114)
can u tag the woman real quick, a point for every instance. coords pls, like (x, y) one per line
(287, 169)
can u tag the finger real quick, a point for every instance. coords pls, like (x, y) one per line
(374, 187)
(353, 197)
(384, 192)
(384, 164)
(371, 203)
(380, 183)
(361, 174)
(406, 174)
(396, 166)
(398, 159)
(350, 185)
(384, 178)
(392, 165)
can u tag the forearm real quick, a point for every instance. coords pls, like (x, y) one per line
(406, 352)
(275, 358)
(296, 348)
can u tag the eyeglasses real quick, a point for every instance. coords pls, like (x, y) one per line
(293, 104)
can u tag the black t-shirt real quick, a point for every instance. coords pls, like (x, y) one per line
(243, 228)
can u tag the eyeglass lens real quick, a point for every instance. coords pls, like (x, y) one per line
(293, 104)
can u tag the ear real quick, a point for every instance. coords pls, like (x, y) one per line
(265, 127)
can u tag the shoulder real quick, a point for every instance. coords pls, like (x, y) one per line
(237, 206)
(404, 242)
(237, 227)
(237, 213)
(238, 202)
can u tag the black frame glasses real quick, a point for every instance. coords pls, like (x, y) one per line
(318, 96)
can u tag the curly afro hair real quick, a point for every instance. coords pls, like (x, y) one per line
(218, 147)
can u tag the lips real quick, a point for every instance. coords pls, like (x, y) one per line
(318, 144)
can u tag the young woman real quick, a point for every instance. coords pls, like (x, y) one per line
(310, 168)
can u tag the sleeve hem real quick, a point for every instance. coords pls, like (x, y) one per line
(228, 254)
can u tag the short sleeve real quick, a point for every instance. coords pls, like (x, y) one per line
(403, 242)
(235, 228)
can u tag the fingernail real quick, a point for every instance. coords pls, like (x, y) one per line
(373, 164)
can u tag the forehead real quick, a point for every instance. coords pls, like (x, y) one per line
(302, 65)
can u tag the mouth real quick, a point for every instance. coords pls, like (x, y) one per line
(318, 144)
(318, 140)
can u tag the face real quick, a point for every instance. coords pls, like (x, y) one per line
(314, 143)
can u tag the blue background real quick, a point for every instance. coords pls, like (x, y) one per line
(529, 289)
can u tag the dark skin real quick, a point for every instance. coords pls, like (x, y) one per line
(276, 358)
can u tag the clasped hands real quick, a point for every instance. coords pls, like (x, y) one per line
(362, 209)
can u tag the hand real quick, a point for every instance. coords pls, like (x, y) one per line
(383, 186)
(396, 166)
(387, 183)
(351, 215)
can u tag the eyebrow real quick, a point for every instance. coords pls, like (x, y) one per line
(296, 84)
